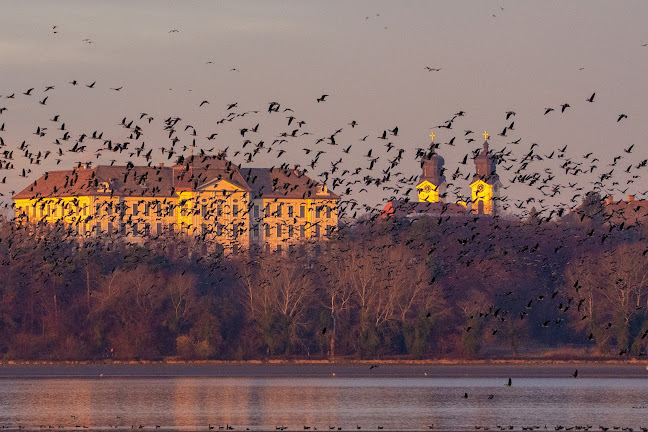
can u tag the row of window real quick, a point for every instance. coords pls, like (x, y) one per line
(233, 230)
(147, 209)
(289, 231)
(145, 229)
(279, 211)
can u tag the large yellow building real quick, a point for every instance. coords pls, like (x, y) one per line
(208, 198)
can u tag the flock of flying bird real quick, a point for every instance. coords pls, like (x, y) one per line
(56, 139)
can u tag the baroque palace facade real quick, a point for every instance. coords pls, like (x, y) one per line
(205, 197)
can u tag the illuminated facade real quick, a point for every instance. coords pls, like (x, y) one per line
(206, 197)
(485, 184)
(431, 188)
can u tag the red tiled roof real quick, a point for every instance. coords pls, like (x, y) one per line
(284, 183)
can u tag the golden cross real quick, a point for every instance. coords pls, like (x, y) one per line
(485, 135)
(432, 135)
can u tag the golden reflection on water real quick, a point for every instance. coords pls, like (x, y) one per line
(193, 403)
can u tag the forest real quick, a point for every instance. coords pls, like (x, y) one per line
(410, 288)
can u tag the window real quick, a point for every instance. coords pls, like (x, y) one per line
(203, 211)
(97, 228)
(85, 209)
(158, 209)
(290, 211)
(109, 209)
(278, 248)
(291, 230)
(219, 229)
(480, 207)
(302, 231)
(317, 230)
(159, 228)
(219, 210)
(318, 212)
(110, 228)
(147, 229)
(302, 211)
(278, 230)
(328, 212)
(255, 231)
(235, 230)
(329, 230)
(135, 230)
(147, 209)
(135, 209)
(235, 210)
(279, 210)
(256, 211)
(267, 230)
(267, 210)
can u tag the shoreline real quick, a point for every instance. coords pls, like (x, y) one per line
(319, 369)
(338, 362)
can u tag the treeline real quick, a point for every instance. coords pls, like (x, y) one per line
(426, 288)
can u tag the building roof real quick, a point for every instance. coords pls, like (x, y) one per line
(485, 165)
(197, 171)
(277, 183)
(192, 174)
(629, 212)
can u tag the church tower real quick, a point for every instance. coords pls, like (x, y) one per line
(485, 185)
(432, 183)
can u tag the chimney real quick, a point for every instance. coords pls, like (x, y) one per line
(631, 198)
(609, 199)
(161, 164)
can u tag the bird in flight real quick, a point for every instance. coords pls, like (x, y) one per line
(621, 117)
(203, 103)
(564, 107)
(591, 98)
(429, 69)
(321, 99)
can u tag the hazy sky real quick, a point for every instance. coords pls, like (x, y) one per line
(368, 56)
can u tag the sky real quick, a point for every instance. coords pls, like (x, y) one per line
(369, 57)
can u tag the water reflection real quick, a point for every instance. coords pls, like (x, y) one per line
(192, 403)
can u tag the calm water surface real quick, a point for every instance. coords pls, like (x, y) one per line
(263, 402)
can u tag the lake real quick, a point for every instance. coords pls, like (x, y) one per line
(262, 397)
